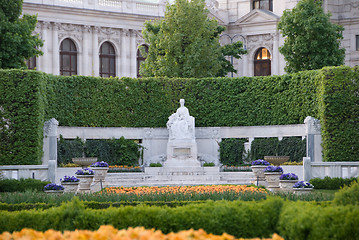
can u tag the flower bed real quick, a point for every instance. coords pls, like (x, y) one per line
(208, 189)
(124, 168)
(109, 232)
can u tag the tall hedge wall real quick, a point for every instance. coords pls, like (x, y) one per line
(125, 102)
(339, 113)
(22, 105)
(330, 94)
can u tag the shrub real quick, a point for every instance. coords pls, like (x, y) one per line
(348, 194)
(331, 183)
(231, 151)
(155, 165)
(68, 149)
(22, 185)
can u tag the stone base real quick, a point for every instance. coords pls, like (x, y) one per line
(182, 153)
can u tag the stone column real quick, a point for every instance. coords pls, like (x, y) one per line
(133, 51)
(125, 51)
(86, 70)
(95, 52)
(307, 169)
(314, 139)
(55, 49)
(245, 65)
(50, 147)
(45, 47)
(275, 68)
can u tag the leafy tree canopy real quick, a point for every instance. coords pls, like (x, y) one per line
(312, 41)
(186, 44)
(16, 40)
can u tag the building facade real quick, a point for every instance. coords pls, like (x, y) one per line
(102, 37)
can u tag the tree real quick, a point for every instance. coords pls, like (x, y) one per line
(312, 41)
(186, 44)
(16, 40)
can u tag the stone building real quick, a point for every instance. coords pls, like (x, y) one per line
(101, 37)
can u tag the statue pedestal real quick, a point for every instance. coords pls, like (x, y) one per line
(182, 153)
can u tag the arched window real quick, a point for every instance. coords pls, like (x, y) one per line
(140, 59)
(107, 60)
(263, 4)
(262, 62)
(68, 58)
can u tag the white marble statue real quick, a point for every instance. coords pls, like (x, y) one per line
(180, 124)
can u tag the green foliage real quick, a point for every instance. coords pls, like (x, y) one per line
(16, 40)
(185, 43)
(305, 220)
(231, 151)
(68, 149)
(245, 219)
(210, 164)
(339, 113)
(294, 147)
(113, 151)
(155, 165)
(22, 107)
(22, 185)
(348, 194)
(331, 183)
(311, 40)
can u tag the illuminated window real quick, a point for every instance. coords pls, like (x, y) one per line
(68, 58)
(262, 62)
(107, 60)
(140, 59)
(263, 4)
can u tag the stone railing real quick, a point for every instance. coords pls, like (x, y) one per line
(330, 169)
(25, 171)
(123, 6)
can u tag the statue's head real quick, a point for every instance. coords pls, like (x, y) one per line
(182, 102)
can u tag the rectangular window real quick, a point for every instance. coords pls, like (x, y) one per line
(357, 42)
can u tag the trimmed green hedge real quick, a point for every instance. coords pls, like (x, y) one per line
(331, 183)
(28, 98)
(22, 108)
(339, 113)
(22, 185)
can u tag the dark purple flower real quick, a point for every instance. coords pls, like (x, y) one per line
(260, 162)
(69, 179)
(85, 171)
(302, 184)
(53, 186)
(273, 169)
(100, 164)
(288, 176)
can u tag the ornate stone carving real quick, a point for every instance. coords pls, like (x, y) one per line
(86, 29)
(46, 25)
(312, 125)
(50, 127)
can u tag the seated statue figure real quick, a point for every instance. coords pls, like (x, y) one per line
(180, 124)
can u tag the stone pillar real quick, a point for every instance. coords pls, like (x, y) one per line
(314, 139)
(45, 47)
(55, 49)
(95, 52)
(245, 65)
(133, 49)
(307, 169)
(86, 70)
(275, 68)
(125, 51)
(50, 147)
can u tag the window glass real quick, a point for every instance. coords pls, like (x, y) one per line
(68, 58)
(357, 42)
(263, 4)
(107, 60)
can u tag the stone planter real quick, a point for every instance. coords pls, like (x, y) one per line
(85, 183)
(273, 180)
(287, 185)
(100, 173)
(302, 190)
(258, 171)
(84, 161)
(70, 187)
(55, 192)
(276, 160)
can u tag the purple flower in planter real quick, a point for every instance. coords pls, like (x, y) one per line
(273, 169)
(100, 164)
(288, 176)
(302, 184)
(260, 162)
(69, 179)
(53, 186)
(85, 171)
